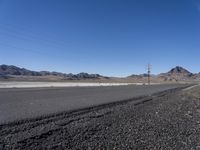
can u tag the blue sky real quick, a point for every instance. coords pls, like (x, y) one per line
(109, 37)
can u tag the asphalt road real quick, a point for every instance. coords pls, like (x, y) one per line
(16, 104)
(164, 120)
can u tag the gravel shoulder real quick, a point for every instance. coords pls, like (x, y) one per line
(165, 120)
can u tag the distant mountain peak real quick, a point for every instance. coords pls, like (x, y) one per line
(177, 73)
(179, 70)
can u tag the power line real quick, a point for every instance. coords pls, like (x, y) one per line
(22, 49)
(44, 54)
(18, 38)
(25, 35)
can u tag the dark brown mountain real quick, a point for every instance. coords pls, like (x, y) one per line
(177, 74)
(13, 70)
(179, 71)
(8, 71)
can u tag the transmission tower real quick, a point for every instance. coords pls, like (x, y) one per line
(149, 73)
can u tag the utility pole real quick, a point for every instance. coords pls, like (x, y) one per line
(149, 73)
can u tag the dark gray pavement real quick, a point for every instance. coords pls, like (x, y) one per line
(166, 120)
(18, 104)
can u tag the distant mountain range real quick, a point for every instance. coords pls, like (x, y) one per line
(10, 71)
(175, 74)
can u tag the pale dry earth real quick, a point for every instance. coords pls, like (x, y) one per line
(17, 84)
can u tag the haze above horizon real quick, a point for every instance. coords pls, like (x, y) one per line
(108, 37)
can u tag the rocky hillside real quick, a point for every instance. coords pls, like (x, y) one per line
(179, 71)
(13, 70)
(177, 74)
(8, 71)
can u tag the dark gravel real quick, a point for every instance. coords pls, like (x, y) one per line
(166, 120)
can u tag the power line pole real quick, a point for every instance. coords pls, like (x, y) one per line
(149, 73)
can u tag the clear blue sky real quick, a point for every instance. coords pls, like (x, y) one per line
(109, 37)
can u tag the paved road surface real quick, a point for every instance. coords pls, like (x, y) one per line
(32, 102)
